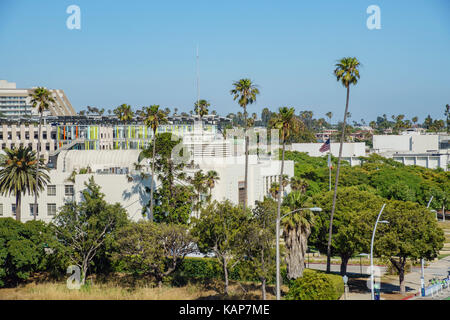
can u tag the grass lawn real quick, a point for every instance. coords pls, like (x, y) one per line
(114, 290)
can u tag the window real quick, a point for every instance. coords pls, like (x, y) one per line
(51, 209)
(32, 210)
(51, 190)
(241, 189)
(68, 190)
(1, 209)
(44, 135)
(13, 209)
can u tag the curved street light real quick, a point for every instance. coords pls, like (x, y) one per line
(314, 209)
(371, 251)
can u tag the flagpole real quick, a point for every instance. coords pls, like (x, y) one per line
(329, 165)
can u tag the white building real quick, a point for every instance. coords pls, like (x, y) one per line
(350, 151)
(412, 148)
(16, 102)
(114, 171)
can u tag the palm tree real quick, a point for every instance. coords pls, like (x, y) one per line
(201, 108)
(16, 175)
(285, 122)
(245, 92)
(212, 177)
(329, 114)
(199, 182)
(415, 119)
(347, 72)
(153, 118)
(297, 228)
(124, 113)
(41, 99)
(299, 184)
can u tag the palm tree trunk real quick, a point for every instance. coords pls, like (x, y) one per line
(246, 159)
(336, 183)
(296, 242)
(18, 206)
(278, 222)
(37, 168)
(263, 278)
(153, 176)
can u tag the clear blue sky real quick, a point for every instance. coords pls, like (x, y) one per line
(143, 52)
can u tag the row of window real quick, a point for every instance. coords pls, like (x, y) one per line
(51, 209)
(30, 145)
(68, 190)
(27, 135)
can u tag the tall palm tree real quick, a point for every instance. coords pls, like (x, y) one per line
(297, 228)
(212, 177)
(201, 108)
(199, 182)
(16, 175)
(41, 99)
(347, 72)
(124, 113)
(153, 118)
(285, 122)
(245, 92)
(329, 114)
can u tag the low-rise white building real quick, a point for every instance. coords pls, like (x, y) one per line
(350, 151)
(412, 148)
(114, 171)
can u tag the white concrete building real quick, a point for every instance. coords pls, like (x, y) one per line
(412, 148)
(16, 102)
(350, 151)
(114, 171)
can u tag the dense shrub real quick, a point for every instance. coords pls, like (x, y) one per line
(22, 250)
(316, 285)
(203, 269)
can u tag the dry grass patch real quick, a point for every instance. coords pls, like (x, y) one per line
(113, 291)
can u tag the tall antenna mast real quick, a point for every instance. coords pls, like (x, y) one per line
(198, 79)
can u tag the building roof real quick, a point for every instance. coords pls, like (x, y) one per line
(68, 160)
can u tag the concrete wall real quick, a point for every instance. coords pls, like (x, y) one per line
(357, 149)
(402, 143)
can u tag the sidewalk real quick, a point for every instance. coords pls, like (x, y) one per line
(390, 285)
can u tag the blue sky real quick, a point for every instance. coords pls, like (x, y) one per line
(143, 52)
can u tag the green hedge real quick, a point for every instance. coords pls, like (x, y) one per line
(316, 285)
(202, 269)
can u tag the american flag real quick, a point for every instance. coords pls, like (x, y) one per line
(325, 146)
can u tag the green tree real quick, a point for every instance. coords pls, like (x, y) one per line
(297, 228)
(17, 175)
(212, 177)
(347, 72)
(354, 218)
(412, 233)
(41, 100)
(199, 182)
(329, 115)
(153, 118)
(223, 230)
(245, 93)
(124, 113)
(152, 248)
(261, 238)
(22, 249)
(201, 108)
(84, 228)
(447, 116)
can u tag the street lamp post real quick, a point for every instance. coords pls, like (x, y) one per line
(371, 252)
(360, 261)
(315, 209)
(422, 276)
